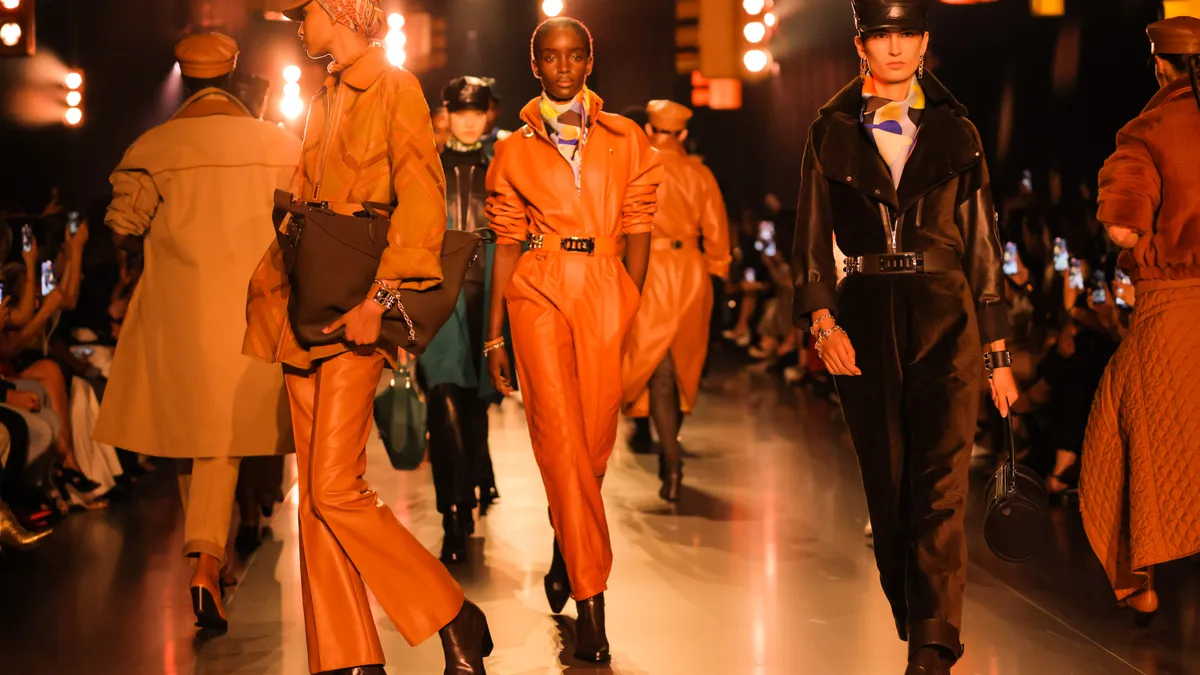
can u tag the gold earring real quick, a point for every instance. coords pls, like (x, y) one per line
(863, 69)
(921, 68)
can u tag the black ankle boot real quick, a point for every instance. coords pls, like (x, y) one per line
(558, 583)
(933, 648)
(466, 641)
(671, 474)
(456, 526)
(591, 641)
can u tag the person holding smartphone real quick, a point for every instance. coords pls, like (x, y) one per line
(920, 314)
(1142, 446)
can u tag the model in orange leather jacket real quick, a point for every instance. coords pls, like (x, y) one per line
(574, 183)
(368, 138)
(664, 357)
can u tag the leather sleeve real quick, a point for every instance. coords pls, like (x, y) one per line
(507, 212)
(715, 227)
(135, 200)
(813, 273)
(983, 259)
(414, 253)
(641, 195)
(1130, 185)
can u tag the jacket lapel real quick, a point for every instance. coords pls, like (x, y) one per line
(944, 149)
(847, 155)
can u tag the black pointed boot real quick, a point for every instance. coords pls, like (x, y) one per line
(558, 583)
(466, 641)
(591, 640)
(933, 648)
(456, 529)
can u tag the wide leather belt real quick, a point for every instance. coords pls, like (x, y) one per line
(585, 245)
(928, 262)
(663, 244)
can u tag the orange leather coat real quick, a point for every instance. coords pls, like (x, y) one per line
(368, 138)
(677, 298)
(570, 312)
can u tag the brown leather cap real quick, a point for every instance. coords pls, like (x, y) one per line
(873, 15)
(668, 115)
(292, 9)
(206, 55)
(1180, 35)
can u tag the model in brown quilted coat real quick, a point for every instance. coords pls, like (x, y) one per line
(1140, 480)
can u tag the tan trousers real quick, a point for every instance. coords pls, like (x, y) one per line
(207, 485)
(347, 535)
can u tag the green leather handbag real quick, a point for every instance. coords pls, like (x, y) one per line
(400, 418)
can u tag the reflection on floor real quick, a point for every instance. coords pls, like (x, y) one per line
(760, 570)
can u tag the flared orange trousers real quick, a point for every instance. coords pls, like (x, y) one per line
(347, 534)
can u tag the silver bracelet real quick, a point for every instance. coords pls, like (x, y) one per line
(823, 335)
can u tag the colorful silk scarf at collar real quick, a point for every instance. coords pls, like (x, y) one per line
(455, 145)
(566, 124)
(893, 125)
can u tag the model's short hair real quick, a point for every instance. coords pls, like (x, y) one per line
(543, 30)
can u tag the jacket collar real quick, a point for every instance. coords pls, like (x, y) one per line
(531, 115)
(670, 146)
(1176, 89)
(365, 70)
(945, 147)
(211, 101)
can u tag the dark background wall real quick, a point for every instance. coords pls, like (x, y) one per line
(1045, 92)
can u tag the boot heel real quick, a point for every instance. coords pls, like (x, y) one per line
(208, 617)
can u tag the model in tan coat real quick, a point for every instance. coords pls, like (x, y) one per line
(198, 190)
(665, 354)
(1139, 492)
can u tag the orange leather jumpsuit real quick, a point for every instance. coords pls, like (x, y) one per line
(570, 312)
(677, 298)
(368, 138)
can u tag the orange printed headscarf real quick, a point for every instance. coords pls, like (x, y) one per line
(364, 17)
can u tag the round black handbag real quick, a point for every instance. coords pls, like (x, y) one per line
(1017, 520)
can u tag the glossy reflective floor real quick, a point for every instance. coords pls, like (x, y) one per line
(761, 570)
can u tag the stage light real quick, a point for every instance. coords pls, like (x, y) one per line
(753, 7)
(755, 32)
(770, 19)
(10, 4)
(74, 80)
(74, 117)
(756, 60)
(74, 98)
(291, 74)
(395, 21)
(291, 107)
(552, 8)
(10, 34)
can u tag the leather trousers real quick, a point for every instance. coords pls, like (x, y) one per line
(912, 417)
(458, 443)
(348, 536)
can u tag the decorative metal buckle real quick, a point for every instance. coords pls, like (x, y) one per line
(579, 245)
(902, 263)
(853, 265)
(535, 241)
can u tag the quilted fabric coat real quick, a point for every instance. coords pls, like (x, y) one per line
(1140, 482)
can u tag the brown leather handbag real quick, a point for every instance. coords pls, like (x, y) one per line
(331, 260)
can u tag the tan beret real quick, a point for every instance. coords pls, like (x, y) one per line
(668, 115)
(206, 55)
(1180, 35)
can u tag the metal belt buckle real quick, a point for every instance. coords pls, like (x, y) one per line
(853, 265)
(535, 241)
(579, 245)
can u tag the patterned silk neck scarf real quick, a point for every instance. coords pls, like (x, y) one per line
(893, 124)
(566, 124)
(456, 145)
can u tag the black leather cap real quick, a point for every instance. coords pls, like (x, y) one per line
(873, 15)
(468, 93)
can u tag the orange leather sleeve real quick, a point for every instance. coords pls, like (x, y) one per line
(507, 212)
(414, 253)
(1130, 185)
(714, 225)
(641, 197)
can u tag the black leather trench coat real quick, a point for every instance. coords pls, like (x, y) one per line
(944, 202)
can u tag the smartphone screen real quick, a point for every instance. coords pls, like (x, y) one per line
(73, 221)
(751, 277)
(1010, 258)
(1123, 281)
(1075, 276)
(1061, 256)
(1, 292)
(1099, 296)
(26, 238)
(766, 231)
(770, 249)
(49, 283)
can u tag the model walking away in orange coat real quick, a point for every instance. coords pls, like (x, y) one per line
(1141, 453)
(575, 183)
(664, 357)
(368, 138)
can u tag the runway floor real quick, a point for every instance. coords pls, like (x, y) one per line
(762, 569)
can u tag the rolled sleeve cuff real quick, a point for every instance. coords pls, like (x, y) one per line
(993, 322)
(414, 268)
(809, 298)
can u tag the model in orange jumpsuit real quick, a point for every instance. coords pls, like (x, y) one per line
(664, 357)
(374, 118)
(575, 183)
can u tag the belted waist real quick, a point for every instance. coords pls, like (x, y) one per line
(664, 244)
(586, 245)
(927, 262)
